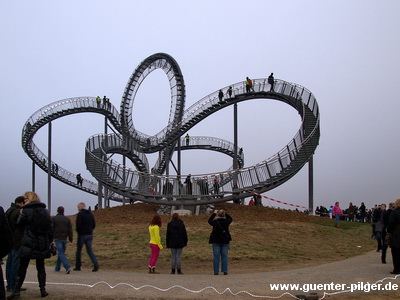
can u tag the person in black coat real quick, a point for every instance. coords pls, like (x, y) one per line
(386, 216)
(85, 224)
(17, 231)
(35, 243)
(5, 247)
(394, 229)
(176, 240)
(220, 238)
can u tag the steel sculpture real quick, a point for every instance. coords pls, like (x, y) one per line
(152, 184)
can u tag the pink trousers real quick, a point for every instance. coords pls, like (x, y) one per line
(155, 252)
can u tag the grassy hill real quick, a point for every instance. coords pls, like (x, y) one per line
(264, 239)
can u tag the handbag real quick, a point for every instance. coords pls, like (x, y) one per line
(53, 249)
(388, 239)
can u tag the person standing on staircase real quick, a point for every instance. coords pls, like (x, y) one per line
(249, 85)
(98, 101)
(271, 81)
(187, 139)
(229, 92)
(79, 179)
(220, 95)
(104, 102)
(188, 183)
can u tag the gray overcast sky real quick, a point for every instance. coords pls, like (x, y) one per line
(345, 52)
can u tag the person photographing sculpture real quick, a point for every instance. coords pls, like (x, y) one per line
(220, 239)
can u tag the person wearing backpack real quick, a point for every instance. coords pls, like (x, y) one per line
(35, 243)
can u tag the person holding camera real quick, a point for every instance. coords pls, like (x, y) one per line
(62, 230)
(220, 239)
(35, 243)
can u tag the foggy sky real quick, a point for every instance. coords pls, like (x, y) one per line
(345, 52)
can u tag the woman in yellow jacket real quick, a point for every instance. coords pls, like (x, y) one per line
(155, 243)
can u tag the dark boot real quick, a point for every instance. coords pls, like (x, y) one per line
(180, 272)
(153, 271)
(43, 292)
(16, 292)
(172, 271)
(42, 284)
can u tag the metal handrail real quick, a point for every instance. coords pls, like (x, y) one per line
(136, 182)
(199, 142)
(274, 165)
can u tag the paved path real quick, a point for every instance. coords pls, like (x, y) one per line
(82, 285)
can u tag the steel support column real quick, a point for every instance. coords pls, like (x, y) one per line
(235, 137)
(106, 202)
(235, 153)
(167, 151)
(311, 186)
(124, 175)
(33, 176)
(49, 169)
(179, 157)
(100, 195)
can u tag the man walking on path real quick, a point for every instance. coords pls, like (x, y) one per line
(85, 224)
(62, 230)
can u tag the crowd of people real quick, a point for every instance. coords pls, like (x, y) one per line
(352, 213)
(29, 232)
(177, 239)
(385, 224)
